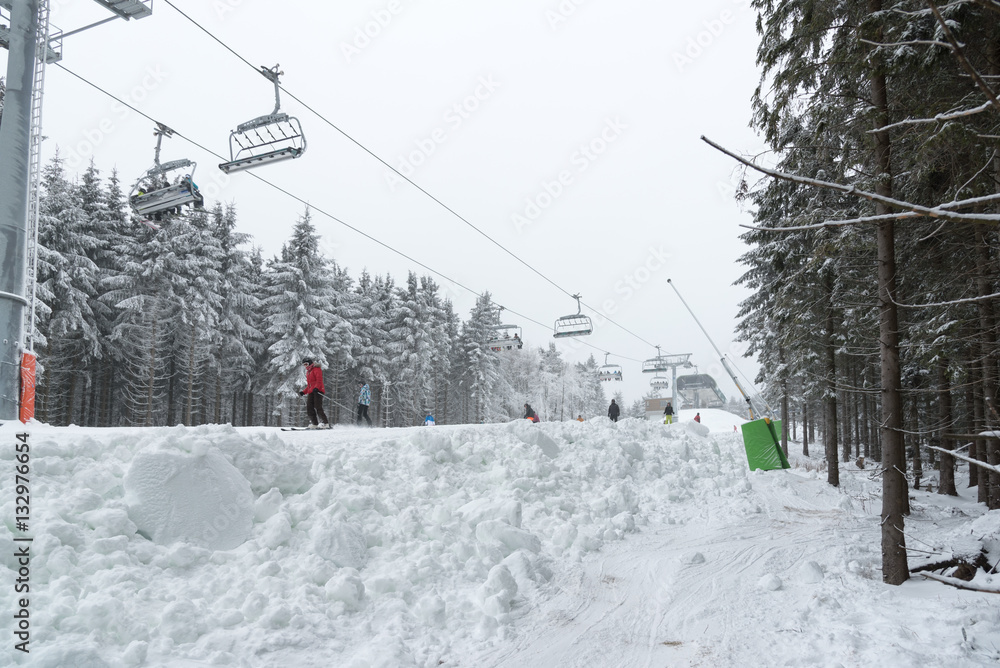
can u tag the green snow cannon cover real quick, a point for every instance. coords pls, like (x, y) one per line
(760, 437)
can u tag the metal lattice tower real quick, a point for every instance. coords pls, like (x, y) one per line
(44, 53)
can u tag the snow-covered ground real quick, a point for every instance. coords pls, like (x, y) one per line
(552, 544)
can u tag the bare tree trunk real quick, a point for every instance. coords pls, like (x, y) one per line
(830, 392)
(947, 462)
(148, 422)
(190, 379)
(894, 493)
(805, 427)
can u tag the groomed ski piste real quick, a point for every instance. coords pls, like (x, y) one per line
(521, 545)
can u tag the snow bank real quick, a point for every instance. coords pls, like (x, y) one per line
(423, 547)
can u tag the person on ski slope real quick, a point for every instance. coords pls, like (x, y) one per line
(529, 413)
(364, 401)
(579, 418)
(614, 411)
(429, 420)
(314, 394)
(668, 414)
(697, 417)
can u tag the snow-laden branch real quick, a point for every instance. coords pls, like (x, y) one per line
(968, 300)
(955, 582)
(960, 55)
(940, 118)
(912, 209)
(988, 467)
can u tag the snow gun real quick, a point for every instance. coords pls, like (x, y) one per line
(760, 434)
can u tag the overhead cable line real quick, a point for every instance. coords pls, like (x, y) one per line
(318, 209)
(406, 178)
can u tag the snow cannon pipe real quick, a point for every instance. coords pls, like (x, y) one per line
(722, 358)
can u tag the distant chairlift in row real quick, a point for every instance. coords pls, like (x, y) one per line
(269, 138)
(504, 337)
(659, 383)
(609, 371)
(573, 325)
(155, 194)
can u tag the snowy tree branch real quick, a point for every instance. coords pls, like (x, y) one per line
(960, 55)
(989, 467)
(912, 209)
(955, 582)
(940, 118)
(969, 300)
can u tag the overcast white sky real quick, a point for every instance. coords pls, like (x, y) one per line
(492, 103)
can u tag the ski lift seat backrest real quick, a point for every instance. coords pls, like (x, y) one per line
(572, 325)
(269, 138)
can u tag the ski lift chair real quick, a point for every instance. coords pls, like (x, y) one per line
(609, 371)
(505, 337)
(269, 138)
(573, 325)
(659, 383)
(155, 194)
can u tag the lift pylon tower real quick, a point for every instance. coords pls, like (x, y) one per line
(26, 36)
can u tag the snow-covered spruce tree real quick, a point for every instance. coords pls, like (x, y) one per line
(298, 293)
(411, 340)
(341, 344)
(111, 226)
(371, 334)
(480, 367)
(67, 284)
(238, 333)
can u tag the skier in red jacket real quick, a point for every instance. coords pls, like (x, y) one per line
(314, 394)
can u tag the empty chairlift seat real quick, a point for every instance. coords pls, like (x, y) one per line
(271, 138)
(573, 325)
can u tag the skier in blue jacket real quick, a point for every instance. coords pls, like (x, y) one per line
(364, 400)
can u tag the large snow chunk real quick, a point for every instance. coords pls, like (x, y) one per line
(498, 533)
(340, 542)
(532, 434)
(201, 498)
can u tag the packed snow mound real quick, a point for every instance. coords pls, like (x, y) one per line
(188, 494)
(463, 545)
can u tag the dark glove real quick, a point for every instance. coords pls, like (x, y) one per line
(302, 393)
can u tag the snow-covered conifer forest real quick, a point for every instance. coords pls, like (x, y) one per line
(190, 324)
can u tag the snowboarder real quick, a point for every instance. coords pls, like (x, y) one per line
(314, 394)
(429, 420)
(579, 418)
(697, 417)
(529, 413)
(364, 401)
(613, 411)
(668, 414)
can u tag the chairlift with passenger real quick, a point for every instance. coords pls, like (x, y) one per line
(659, 383)
(504, 337)
(155, 194)
(270, 138)
(609, 371)
(573, 325)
